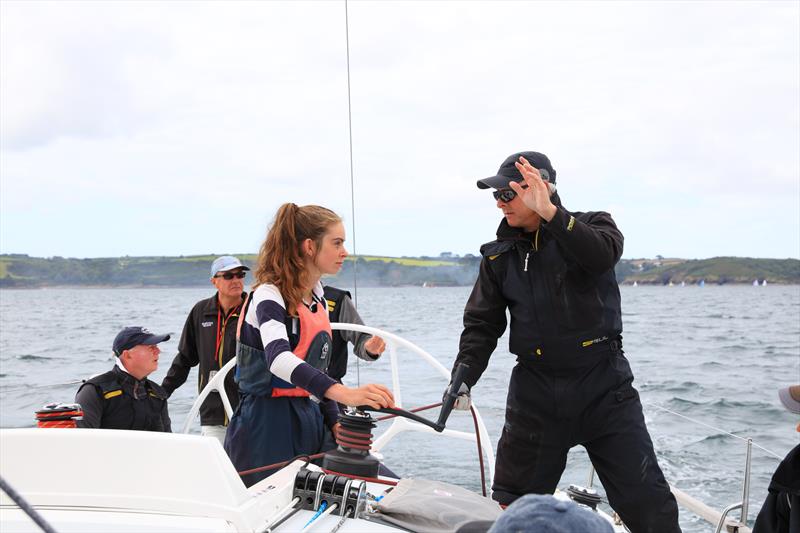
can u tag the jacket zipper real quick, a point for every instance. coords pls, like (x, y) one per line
(535, 247)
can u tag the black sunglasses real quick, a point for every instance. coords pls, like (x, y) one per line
(230, 275)
(506, 195)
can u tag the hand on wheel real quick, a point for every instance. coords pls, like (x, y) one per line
(373, 395)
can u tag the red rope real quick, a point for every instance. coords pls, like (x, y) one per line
(56, 424)
(370, 479)
(480, 449)
(277, 465)
(353, 443)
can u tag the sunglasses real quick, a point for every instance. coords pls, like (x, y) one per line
(230, 275)
(506, 195)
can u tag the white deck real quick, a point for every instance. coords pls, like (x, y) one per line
(139, 481)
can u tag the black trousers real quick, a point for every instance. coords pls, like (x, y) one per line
(551, 410)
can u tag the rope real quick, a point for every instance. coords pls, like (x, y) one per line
(480, 448)
(48, 386)
(281, 464)
(26, 507)
(719, 430)
(352, 185)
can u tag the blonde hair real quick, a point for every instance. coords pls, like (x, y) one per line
(281, 261)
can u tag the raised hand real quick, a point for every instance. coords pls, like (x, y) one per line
(375, 346)
(374, 395)
(536, 196)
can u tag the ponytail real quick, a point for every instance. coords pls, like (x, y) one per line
(281, 261)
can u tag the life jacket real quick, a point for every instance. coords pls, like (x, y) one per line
(129, 403)
(339, 353)
(309, 339)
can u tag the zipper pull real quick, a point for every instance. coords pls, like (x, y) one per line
(526, 260)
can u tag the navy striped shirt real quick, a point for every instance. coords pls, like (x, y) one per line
(264, 328)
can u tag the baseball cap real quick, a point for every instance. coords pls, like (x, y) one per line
(546, 514)
(790, 398)
(508, 171)
(225, 263)
(132, 336)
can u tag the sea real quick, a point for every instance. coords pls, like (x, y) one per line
(708, 362)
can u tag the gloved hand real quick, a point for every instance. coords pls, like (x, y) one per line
(463, 400)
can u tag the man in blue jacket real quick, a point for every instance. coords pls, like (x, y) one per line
(553, 271)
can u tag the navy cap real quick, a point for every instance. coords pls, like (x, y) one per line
(225, 263)
(546, 514)
(134, 336)
(508, 171)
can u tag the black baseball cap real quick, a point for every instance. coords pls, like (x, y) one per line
(508, 171)
(132, 336)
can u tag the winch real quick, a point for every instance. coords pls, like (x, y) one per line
(59, 415)
(354, 437)
(584, 496)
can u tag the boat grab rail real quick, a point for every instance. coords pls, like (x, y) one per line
(399, 424)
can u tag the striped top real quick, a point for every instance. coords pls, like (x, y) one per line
(264, 328)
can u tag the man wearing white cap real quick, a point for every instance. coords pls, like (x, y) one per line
(209, 340)
(781, 510)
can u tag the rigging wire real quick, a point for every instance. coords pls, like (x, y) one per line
(352, 186)
(769, 452)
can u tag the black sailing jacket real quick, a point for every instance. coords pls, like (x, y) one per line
(559, 286)
(197, 345)
(117, 400)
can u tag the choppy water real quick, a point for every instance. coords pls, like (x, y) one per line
(716, 354)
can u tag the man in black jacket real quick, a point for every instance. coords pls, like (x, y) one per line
(123, 398)
(365, 346)
(553, 271)
(209, 340)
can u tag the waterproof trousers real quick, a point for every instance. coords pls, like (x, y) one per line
(266, 430)
(551, 410)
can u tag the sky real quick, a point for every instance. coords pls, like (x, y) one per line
(178, 128)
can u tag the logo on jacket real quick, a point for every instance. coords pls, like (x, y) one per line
(207, 324)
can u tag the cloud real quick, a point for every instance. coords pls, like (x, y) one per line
(222, 111)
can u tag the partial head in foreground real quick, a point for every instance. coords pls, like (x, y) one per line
(546, 514)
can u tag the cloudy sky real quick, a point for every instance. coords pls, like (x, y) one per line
(158, 128)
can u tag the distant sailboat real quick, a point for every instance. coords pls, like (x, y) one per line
(635, 284)
(702, 283)
(683, 283)
(764, 283)
(755, 283)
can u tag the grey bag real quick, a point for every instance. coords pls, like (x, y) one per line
(434, 507)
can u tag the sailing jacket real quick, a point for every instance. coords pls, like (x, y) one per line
(559, 287)
(117, 400)
(341, 309)
(204, 328)
(781, 510)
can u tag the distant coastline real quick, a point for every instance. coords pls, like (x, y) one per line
(23, 271)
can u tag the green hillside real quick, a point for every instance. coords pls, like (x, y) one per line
(721, 270)
(446, 270)
(18, 270)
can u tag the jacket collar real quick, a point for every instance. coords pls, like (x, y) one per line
(535, 239)
(122, 374)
